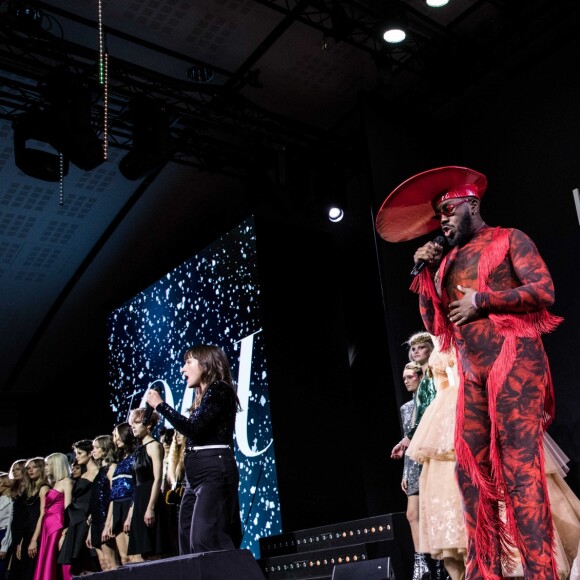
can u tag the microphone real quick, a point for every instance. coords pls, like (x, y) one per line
(149, 409)
(440, 240)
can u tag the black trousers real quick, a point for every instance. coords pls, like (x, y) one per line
(209, 514)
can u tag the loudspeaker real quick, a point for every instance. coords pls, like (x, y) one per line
(378, 569)
(219, 565)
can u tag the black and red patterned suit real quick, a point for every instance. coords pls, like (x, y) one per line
(506, 398)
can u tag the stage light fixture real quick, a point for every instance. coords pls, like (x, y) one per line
(335, 214)
(22, 14)
(327, 186)
(394, 22)
(153, 145)
(30, 128)
(68, 110)
(200, 74)
(62, 120)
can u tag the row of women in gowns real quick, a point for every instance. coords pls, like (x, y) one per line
(50, 525)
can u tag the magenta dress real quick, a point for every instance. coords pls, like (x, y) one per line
(52, 525)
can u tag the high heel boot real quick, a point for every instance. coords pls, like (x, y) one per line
(421, 567)
(438, 571)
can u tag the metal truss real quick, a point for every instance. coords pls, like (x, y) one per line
(215, 127)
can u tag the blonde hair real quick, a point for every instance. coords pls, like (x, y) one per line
(6, 484)
(176, 455)
(58, 467)
(422, 337)
(33, 486)
(415, 367)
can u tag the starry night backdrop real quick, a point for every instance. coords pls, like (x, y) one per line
(213, 298)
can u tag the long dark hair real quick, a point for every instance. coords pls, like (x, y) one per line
(215, 368)
(129, 440)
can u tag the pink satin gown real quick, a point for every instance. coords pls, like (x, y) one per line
(52, 525)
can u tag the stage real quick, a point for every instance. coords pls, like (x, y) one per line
(220, 565)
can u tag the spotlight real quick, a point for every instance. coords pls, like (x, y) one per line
(394, 23)
(335, 214)
(394, 34)
(437, 3)
(29, 128)
(327, 183)
(153, 145)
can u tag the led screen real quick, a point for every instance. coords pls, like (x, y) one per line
(213, 298)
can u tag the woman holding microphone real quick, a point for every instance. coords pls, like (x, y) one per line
(209, 515)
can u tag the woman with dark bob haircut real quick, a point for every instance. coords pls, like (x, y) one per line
(209, 515)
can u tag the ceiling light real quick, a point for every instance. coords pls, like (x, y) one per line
(327, 184)
(335, 214)
(394, 22)
(437, 3)
(393, 35)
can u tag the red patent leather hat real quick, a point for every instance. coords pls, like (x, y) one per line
(407, 213)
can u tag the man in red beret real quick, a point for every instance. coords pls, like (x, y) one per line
(487, 297)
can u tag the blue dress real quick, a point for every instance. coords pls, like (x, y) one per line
(122, 489)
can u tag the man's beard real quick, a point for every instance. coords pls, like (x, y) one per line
(464, 231)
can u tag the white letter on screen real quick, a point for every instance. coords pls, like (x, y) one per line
(244, 375)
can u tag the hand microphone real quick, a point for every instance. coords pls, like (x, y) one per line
(440, 240)
(149, 409)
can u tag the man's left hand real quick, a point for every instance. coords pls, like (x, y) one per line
(462, 311)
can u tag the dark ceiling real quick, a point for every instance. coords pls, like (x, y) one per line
(272, 91)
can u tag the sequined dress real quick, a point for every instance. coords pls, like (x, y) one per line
(122, 492)
(422, 398)
(411, 469)
(212, 474)
(99, 505)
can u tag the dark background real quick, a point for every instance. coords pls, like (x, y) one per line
(336, 303)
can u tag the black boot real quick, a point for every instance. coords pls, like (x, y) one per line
(421, 567)
(438, 571)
